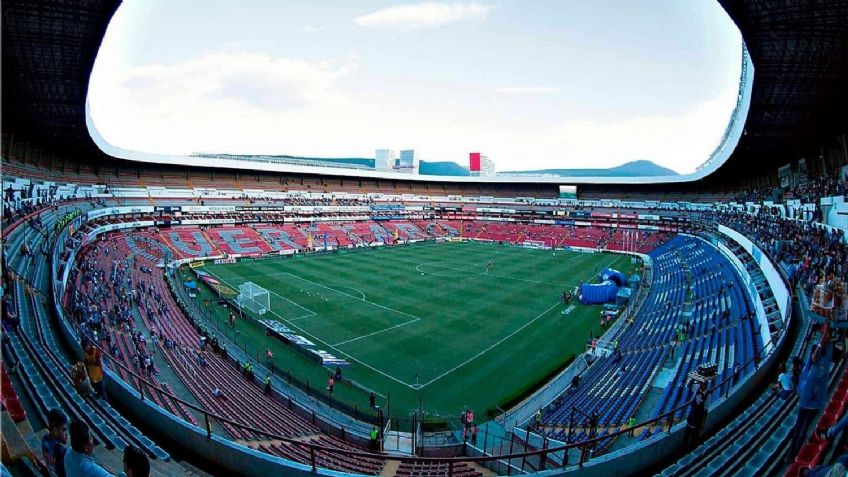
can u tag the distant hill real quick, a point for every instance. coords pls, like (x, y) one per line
(641, 168)
(445, 168)
(359, 161)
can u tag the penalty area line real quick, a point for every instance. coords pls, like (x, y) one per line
(377, 332)
(346, 355)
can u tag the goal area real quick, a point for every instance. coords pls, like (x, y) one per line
(254, 298)
(537, 244)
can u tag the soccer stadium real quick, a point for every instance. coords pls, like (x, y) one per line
(295, 310)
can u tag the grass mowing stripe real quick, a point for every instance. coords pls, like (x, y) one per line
(481, 353)
(327, 344)
(473, 344)
(351, 296)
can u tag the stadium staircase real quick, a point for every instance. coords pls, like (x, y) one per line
(755, 442)
(245, 402)
(773, 317)
(44, 369)
(690, 277)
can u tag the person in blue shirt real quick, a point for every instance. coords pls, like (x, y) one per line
(78, 460)
(53, 443)
(812, 393)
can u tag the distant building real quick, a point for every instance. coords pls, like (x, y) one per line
(480, 165)
(407, 162)
(384, 159)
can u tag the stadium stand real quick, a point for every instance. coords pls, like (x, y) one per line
(748, 269)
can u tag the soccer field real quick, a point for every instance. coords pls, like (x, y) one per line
(428, 320)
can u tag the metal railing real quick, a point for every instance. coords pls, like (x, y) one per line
(315, 451)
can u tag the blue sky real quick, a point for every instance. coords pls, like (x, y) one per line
(534, 84)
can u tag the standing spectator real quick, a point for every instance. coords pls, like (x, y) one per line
(154, 340)
(269, 359)
(697, 417)
(631, 424)
(374, 438)
(812, 393)
(136, 463)
(575, 383)
(268, 385)
(94, 366)
(330, 383)
(53, 443)
(78, 461)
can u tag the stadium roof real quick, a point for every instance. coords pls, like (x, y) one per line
(799, 99)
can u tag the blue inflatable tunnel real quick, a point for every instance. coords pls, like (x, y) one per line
(596, 293)
(614, 275)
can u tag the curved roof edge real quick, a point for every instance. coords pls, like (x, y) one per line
(729, 141)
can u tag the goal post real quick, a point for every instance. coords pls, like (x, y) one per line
(254, 298)
(537, 244)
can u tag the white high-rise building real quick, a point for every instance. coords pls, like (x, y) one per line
(408, 162)
(384, 159)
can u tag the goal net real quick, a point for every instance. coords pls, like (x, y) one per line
(540, 244)
(254, 298)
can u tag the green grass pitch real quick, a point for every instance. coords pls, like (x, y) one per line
(473, 337)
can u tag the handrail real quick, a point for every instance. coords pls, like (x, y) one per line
(666, 418)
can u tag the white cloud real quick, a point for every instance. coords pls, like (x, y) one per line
(680, 142)
(424, 15)
(214, 102)
(526, 90)
(311, 29)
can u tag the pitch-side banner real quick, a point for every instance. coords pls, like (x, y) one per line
(144, 209)
(208, 208)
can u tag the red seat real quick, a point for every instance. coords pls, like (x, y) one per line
(811, 453)
(15, 409)
(828, 419)
(793, 470)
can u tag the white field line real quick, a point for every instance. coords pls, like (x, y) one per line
(333, 290)
(307, 310)
(412, 386)
(481, 353)
(342, 353)
(302, 317)
(473, 273)
(498, 342)
(351, 296)
(377, 332)
(349, 288)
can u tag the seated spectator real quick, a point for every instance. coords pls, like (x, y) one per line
(80, 380)
(78, 460)
(784, 385)
(218, 393)
(53, 443)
